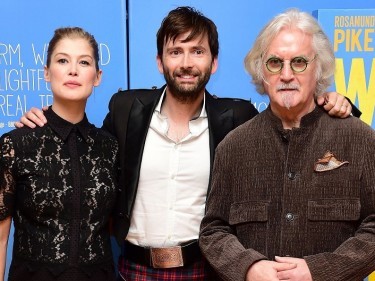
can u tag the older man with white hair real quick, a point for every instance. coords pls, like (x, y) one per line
(293, 189)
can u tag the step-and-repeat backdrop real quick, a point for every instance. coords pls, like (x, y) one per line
(126, 32)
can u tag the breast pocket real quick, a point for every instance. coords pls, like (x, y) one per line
(327, 218)
(334, 209)
(250, 218)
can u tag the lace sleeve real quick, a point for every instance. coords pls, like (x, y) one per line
(7, 182)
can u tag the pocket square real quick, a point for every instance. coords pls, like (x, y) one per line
(328, 163)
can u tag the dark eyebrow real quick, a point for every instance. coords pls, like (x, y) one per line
(80, 56)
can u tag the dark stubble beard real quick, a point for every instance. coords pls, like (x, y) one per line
(186, 92)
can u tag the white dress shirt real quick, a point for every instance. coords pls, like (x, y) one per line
(172, 189)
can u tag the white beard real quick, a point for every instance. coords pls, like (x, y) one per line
(287, 98)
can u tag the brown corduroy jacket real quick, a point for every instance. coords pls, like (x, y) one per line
(267, 199)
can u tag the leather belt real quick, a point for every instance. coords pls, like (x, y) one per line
(168, 257)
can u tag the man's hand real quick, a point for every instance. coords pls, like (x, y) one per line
(335, 104)
(267, 270)
(32, 118)
(300, 272)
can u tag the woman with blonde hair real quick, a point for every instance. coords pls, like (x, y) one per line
(58, 182)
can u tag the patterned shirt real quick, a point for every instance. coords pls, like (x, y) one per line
(58, 183)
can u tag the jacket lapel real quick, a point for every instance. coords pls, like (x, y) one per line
(220, 123)
(140, 118)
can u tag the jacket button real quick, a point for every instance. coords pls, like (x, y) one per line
(121, 215)
(289, 217)
(292, 175)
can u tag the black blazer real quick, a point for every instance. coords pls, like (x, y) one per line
(129, 117)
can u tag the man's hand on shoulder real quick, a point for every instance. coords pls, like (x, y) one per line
(335, 104)
(32, 118)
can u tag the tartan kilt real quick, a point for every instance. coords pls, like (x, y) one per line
(197, 271)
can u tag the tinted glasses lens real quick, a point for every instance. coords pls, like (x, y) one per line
(274, 65)
(298, 64)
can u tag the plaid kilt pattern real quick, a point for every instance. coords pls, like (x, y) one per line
(197, 271)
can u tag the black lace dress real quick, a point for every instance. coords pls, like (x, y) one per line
(58, 183)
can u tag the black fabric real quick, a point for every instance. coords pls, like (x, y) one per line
(58, 183)
(23, 270)
(355, 111)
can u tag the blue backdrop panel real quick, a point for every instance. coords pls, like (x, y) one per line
(238, 24)
(26, 28)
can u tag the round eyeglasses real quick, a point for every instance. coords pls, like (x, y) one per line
(297, 64)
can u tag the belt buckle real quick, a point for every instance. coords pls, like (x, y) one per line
(166, 257)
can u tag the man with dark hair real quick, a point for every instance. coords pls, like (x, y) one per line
(168, 149)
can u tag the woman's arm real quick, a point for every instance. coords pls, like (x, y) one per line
(4, 234)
